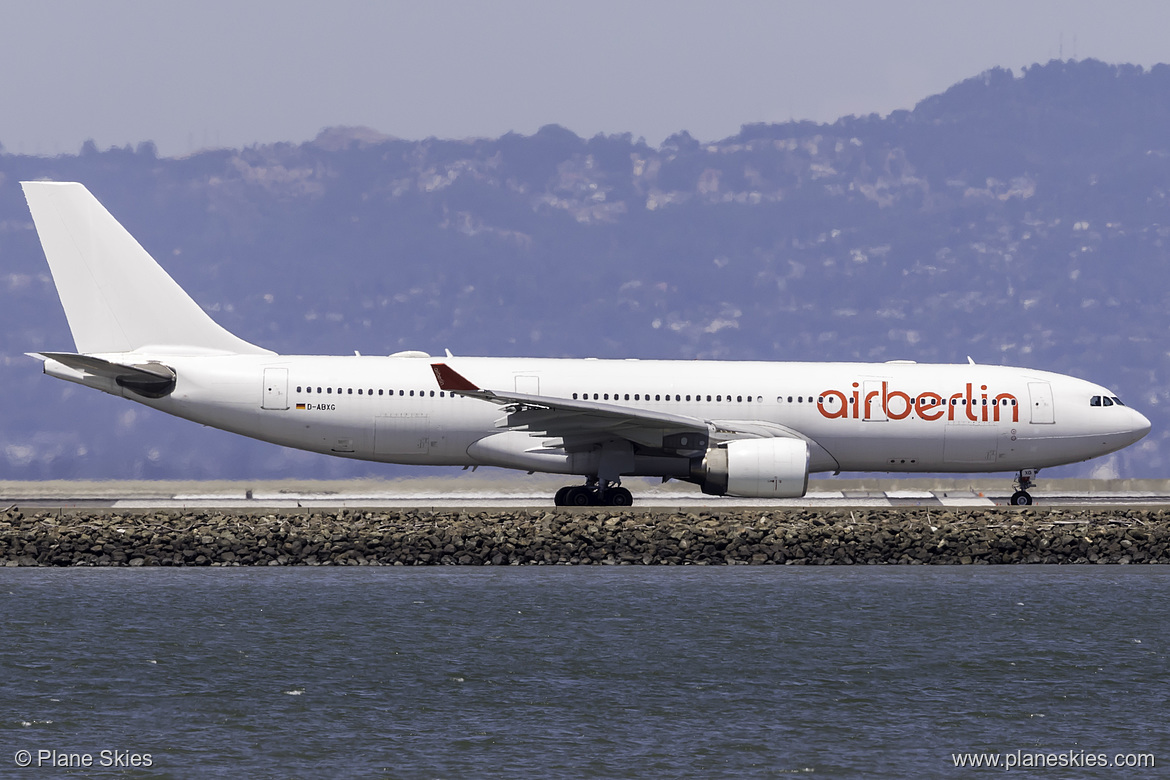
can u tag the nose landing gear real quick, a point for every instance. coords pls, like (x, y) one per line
(1022, 483)
(594, 493)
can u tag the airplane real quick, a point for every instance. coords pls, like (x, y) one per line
(749, 429)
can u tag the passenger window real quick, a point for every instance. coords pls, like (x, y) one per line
(329, 390)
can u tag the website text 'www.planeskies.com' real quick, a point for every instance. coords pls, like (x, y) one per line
(1027, 759)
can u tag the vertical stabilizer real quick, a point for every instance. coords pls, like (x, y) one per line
(116, 297)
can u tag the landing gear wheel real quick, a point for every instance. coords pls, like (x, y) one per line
(1021, 498)
(619, 496)
(579, 496)
(1024, 480)
(561, 498)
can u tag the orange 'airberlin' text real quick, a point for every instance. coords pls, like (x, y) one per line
(874, 404)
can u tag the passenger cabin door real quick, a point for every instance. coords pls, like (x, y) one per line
(1040, 393)
(275, 389)
(872, 408)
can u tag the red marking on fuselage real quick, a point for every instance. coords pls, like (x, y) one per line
(929, 405)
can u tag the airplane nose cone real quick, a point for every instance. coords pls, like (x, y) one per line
(1140, 425)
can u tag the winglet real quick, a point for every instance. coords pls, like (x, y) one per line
(451, 380)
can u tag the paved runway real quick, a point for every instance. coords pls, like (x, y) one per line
(652, 497)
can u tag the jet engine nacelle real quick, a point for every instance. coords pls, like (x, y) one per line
(755, 468)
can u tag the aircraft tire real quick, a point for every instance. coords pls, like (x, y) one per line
(619, 496)
(1021, 498)
(579, 496)
(561, 498)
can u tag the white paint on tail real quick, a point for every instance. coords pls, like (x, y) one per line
(116, 297)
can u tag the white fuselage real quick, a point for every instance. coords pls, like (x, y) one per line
(748, 429)
(895, 417)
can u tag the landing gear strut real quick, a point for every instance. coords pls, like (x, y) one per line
(594, 493)
(1022, 482)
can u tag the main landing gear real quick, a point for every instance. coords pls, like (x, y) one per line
(594, 493)
(1022, 482)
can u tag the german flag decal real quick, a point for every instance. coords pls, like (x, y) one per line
(300, 406)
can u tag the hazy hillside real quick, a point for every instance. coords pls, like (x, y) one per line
(1016, 218)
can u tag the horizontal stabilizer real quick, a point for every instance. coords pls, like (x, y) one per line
(153, 380)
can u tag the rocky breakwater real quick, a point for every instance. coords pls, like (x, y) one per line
(584, 537)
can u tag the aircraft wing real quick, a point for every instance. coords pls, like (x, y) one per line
(583, 424)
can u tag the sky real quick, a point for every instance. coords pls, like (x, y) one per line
(193, 74)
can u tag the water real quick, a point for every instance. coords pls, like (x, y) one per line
(582, 672)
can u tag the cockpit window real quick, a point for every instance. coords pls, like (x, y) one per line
(1095, 401)
(1107, 401)
(1117, 400)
